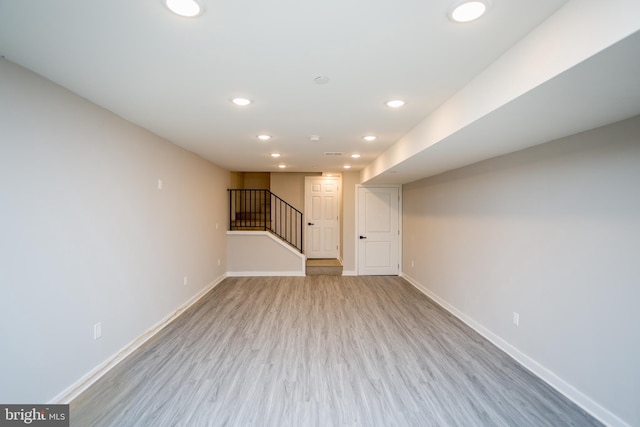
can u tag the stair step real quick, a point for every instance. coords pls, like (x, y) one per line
(250, 216)
(251, 210)
(329, 267)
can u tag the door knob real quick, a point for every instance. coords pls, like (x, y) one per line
(310, 223)
(362, 237)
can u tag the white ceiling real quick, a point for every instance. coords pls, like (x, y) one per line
(175, 76)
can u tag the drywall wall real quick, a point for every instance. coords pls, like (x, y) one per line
(289, 186)
(349, 182)
(518, 84)
(256, 180)
(86, 235)
(552, 233)
(236, 180)
(260, 253)
(249, 180)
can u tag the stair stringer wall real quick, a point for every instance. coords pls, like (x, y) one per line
(259, 253)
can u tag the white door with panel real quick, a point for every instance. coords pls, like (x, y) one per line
(378, 231)
(322, 207)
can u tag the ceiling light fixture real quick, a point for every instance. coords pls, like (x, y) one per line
(347, 166)
(369, 138)
(355, 156)
(314, 138)
(186, 8)
(264, 137)
(275, 155)
(281, 166)
(321, 80)
(241, 101)
(468, 11)
(396, 103)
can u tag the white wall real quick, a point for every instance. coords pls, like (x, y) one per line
(553, 233)
(349, 182)
(86, 236)
(577, 32)
(260, 253)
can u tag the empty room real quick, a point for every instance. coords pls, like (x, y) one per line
(364, 213)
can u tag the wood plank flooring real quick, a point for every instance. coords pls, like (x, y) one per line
(320, 351)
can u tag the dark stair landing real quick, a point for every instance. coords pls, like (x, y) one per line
(330, 267)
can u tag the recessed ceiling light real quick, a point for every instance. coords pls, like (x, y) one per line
(369, 138)
(468, 11)
(275, 154)
(241, 101)
(282, 166)
(347, 166)
(396, 103)
(355, 156)
(264, 137)
(187, 8)
(314, 138)
(321, 80)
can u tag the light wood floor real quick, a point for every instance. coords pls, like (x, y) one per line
(323, 262)
(320, 351)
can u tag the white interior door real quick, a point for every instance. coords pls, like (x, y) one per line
(322, 201)
(378, 231)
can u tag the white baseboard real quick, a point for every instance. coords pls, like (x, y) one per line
(349, 273)
(264, 273)
(569, 391)
(71, 392)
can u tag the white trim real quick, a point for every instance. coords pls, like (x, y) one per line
(349, 273)
(603, 415)
(83, 383)
(265, 273)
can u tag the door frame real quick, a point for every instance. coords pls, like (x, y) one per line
(338, 180)
(357, 228)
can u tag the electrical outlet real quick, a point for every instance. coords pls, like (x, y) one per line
(412, 263)
(218, 262)
(185, 280)
(97, 330)
(159, 184)
(516, 319)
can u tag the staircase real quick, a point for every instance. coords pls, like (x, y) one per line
(250, 220)
(261, 210)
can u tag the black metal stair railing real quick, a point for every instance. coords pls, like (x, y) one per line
(263, 210)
